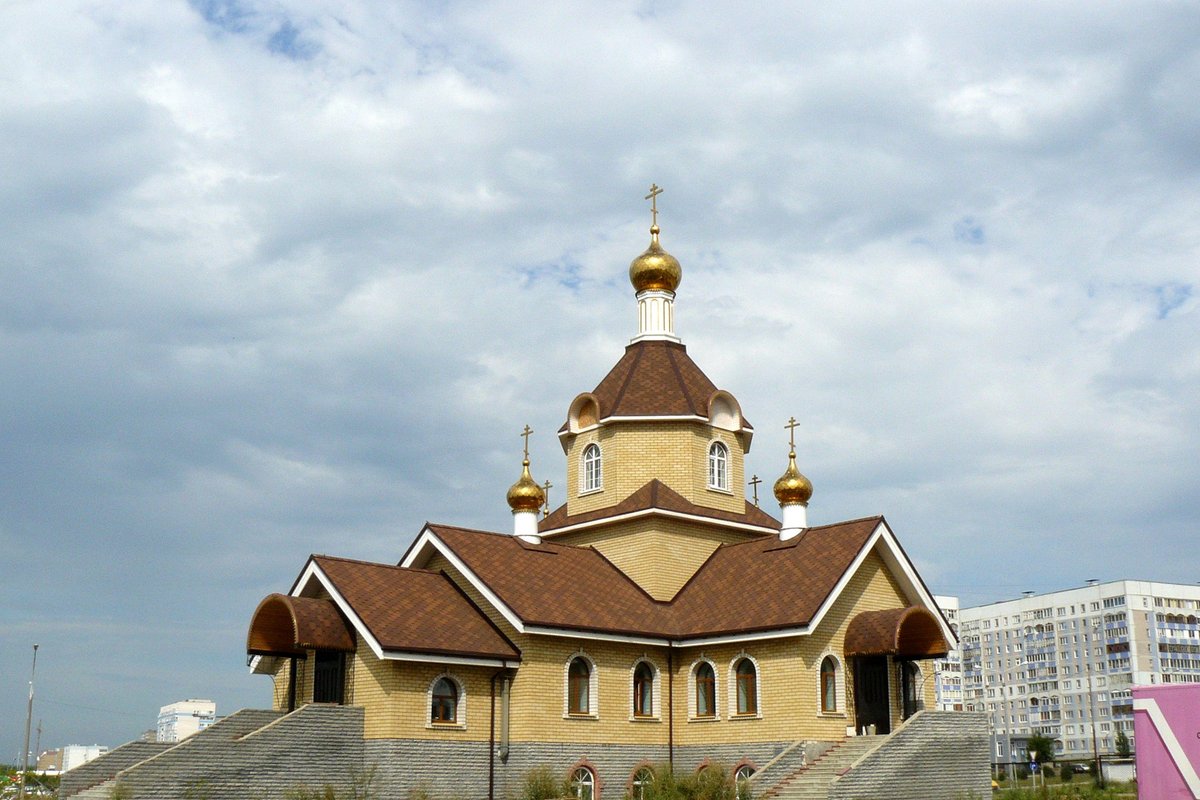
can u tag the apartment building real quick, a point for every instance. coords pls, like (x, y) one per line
(947, 672)
(1062, 664)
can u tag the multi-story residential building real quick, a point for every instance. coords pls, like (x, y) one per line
(180, 720)
(947, 672)
(1062, 664)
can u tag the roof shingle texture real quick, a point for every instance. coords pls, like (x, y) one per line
(413, 610)
(762, 584)
(655, 379)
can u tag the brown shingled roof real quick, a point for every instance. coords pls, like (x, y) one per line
(657, 495)
(284, 625)
(417, 611)
(562, 586)
(765, 583)
(556, 585)
(655, 379)
(912, 632)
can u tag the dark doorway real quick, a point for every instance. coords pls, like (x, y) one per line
(329, 676)
(871, 706)
(910, 688)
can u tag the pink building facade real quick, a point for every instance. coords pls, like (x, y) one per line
(1166, 723)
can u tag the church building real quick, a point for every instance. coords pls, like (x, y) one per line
(657, 616)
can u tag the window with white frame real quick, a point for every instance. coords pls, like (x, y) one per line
(703, 700)
(830, 685)
(593, 474)
(745, 687)
(644, 698)
(580, 689)
(718, 466)
(583, 783)
(447, 703)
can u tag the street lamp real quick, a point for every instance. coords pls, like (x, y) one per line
(28, 722)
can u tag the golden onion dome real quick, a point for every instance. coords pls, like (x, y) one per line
(655, 269)
(525, 494)
(793, 488)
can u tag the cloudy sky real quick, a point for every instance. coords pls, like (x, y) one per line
(289, 276)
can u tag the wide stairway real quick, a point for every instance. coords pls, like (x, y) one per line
(812, 782)
(248, 754)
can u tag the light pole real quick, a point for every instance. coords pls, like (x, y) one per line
(28, 723)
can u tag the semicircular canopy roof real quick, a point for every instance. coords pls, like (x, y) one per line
(285, 626)
(912, 632)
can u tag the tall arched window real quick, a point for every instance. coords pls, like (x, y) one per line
(643, 690)
(643, 777)
(718, 466)
(829, 696)
(593, 475)
(443, 706)
(579, 686)
(583, 783)
(747, 687)
(706, 690)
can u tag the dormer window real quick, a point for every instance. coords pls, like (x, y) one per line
(718, 466)
(593, 476)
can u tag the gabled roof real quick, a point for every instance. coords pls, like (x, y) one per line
(758, 588)
(655, 379)
(411, 611)
(657, 496)
(554, 585)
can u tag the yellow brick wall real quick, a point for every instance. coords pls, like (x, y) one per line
(789, 677)
(660, 555)
(395, 698)
(634, 453)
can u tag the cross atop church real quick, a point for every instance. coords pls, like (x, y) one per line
(755, 481)
(655, 191)
(546, 508)
(791, 428)
(525, 433)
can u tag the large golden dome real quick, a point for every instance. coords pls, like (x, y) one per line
(793, 488)
(655, 269)
(525, 494)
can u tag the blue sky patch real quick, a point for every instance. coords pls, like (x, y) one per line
(969, 231)
(287, 41)
(1171, 296)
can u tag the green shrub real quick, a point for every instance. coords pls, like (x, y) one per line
(1067, 772)
(540, 784)
(1022, 772)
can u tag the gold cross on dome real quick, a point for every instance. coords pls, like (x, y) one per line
(655, 191)
(755, 481)
(528, 430)
(791, 426)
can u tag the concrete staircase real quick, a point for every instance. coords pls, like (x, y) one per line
(250, 754)
(812, 782)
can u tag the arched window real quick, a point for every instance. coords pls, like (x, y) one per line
(642, 778)
(706, 690)
(593, 474)
(741, 779)
(643, 690)
(443, 705)
(747, 687)
(718, 466)
(579, 686)
(829, 693)
(583, 783)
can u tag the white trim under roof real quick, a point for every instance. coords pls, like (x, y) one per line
(570, 633)
(427, 539)
(644, 512)
(435, 658)
(746, 427)
(311, 571)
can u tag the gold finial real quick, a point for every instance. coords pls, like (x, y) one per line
(755, 481)
(793, 488)
(655, 269)
(546, 487)
(525, 494)
(655, 191)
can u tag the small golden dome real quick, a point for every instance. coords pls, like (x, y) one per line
(655, 269)
(792, 488)
(525, 494)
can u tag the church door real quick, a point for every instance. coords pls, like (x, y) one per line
(871, 706)
(329, 677)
